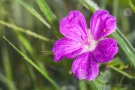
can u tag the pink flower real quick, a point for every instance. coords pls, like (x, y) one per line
(89, 46)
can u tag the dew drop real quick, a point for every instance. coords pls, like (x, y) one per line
(127, 12)
(70, 72)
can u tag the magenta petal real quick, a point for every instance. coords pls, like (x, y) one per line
(102, 24)
(66, 48)
(85, 67)
(105, 50)
(74, 26)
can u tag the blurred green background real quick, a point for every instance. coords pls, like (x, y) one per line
(33, 26)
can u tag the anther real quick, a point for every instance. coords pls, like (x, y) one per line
(104, 30)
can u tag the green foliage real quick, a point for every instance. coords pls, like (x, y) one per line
(32, 26)
(49, 15)
(34, 12)
(132, 5)
(33, 64)
(125, 45)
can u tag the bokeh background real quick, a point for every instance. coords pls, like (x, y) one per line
(17, 24)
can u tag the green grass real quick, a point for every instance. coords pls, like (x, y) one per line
(28, 29)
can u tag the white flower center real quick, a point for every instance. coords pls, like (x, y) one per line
(89, 44)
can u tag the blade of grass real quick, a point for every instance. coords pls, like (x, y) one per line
(120, 83)
(131, 36)
(34, 12)
(115, 7)
(52, 19)
(132, 5)
(34, 65)
(7, 64)
(30, 69)
(33, 77)
(122, 72)
(49, 15)
(90, 5)
(103, 4)
(121, 39)
(82, 85)
(125, 26)
(25, 31)
(28, 47)
(124, 23)
(10, 84)
(125, 45)
(7, 78)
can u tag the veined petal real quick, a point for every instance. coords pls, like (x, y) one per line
(66, 48)
(105, 50)
(85, 67)
(102, 24)
(74, 26)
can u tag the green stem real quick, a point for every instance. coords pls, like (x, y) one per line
(24, 31)
(122, 72)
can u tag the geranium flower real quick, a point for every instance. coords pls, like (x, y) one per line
(87, 46)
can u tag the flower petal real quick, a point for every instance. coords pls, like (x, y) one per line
(85, 67)
(105, 50)
(102, 24)
(66, 48)
(74, 26)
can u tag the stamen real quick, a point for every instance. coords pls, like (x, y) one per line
(104, 30)
(89, 44)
